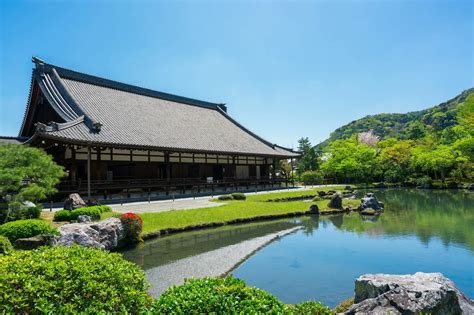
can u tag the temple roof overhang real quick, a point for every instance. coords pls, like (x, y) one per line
(101, 112)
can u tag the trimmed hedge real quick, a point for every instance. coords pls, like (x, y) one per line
(71, 280)
(26, 228)
(238, 196)
(217, 296)
(227, 296)
(71, 215)
(225, 197)
(5, 245)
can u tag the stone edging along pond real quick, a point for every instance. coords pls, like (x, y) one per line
(168, 231)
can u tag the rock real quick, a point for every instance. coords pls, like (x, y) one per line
(428, 293)
(336, 202)
(322, 193)
(470, 187)
(331, 192)
(370, 201)
(84, 219)
(314, 208)
(35, 241)
(74, 201)
(348, 188)
(106, 234)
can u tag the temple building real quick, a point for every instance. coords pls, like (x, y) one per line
(115, 138)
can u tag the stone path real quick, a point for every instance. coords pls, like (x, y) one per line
(214, 263)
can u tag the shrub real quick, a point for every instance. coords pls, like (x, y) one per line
(424, 181)
(18, 211)
(26, 228)
(312, 178)
(238, 196)
(133, 226)
(71, 280)
(69, 215)
(5, 245)
(62, 215)
(344, 306)
(225, 197)
(218, 296)
(309, 308)
(93, 212)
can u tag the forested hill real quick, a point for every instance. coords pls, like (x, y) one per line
(403, 126)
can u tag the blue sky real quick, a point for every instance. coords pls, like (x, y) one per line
(285, 69)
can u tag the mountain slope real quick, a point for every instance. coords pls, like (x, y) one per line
(401, 125)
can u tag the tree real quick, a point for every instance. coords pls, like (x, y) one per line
(286, 169)
(349, 161)
(415, 130)
(394, 159)
(436, 161)
(27, 173)
(309, 159)
(466, 114)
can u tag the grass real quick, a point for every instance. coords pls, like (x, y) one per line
(254, 206)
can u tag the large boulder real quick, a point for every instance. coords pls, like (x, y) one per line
(106, 234)
(369, 201)
(427, 293)
(74, 201)
(336, 202)
(314, 209)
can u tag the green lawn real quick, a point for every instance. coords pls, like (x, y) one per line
(254, 206)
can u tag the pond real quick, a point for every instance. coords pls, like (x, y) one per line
(420, 230)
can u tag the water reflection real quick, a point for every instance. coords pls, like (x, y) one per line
(430, 231)
(161, 251)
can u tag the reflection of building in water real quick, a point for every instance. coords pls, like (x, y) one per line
(174, 247)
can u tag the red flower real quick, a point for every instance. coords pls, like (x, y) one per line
(131, 216)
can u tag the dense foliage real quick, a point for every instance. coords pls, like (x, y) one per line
(413, 125)
(5, 245)
(218, 296)
(227, 296)
(133, 226)
(26, 228)
(312, 178)
(19, 211)
(62, 280)
(439, 145)
(27, 173)
(70, 215)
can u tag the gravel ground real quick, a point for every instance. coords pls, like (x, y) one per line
(214, 263)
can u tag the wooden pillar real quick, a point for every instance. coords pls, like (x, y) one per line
(168, 166)
(89, 172)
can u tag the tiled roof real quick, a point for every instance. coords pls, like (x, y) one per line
(11, 140)
(101, 111)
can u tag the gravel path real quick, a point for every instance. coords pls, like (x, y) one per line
(166, 205)
(214, 263)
